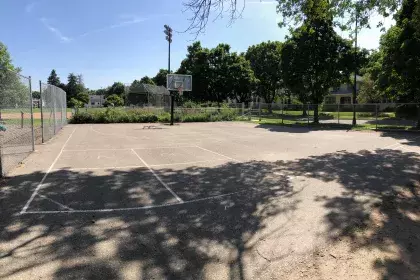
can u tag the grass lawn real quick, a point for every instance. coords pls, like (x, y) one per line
(327, 126)
(335, 115)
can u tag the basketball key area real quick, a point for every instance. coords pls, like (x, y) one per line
(108, 168)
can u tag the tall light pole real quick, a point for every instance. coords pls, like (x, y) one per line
(168, 33)
(355, 69)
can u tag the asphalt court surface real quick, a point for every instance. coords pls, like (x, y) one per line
(100, 168)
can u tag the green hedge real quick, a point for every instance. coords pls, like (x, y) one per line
(119, 115)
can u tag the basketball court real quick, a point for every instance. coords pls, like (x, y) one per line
(99, 166)
(228, 200)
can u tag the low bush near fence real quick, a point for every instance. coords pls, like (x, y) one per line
(116, 115)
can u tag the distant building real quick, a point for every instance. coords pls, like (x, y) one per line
(343, 94)
(96, 101)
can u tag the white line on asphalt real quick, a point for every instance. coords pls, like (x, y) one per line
(133, 208)
(45, 175)
(204, 149)
(157, 177)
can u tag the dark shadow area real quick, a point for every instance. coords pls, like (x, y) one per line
(176, 242)
(382, 184)
(303, 128)
(411, 138)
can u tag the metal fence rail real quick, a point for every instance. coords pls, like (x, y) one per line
(21, 123)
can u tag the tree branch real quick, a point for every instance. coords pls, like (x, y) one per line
(201, 10)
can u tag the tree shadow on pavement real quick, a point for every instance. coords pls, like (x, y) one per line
(204, 238)
(410, 139)
(379, 207)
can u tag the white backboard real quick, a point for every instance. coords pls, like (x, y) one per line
(175, 81)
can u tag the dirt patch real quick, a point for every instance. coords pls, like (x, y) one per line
(387, 247)
(37, 115)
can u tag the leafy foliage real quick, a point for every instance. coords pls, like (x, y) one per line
(368, 92)
(36, 94)
(147, 80)
(114, 100)
(120, 115)
(265, 60)
(73, 87)
(117, 88)
(160, 78)
(314, 59)
(53, 79)
(14, 89)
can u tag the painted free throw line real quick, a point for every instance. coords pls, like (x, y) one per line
(45, 175)
(133, 208)
(157, 177)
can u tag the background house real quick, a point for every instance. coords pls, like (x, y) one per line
(343, 94)
(96, 101)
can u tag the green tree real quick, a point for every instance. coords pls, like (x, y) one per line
(265, 59)
(36, 94)
(314, 58)
(219, 61)
(197, 64)
(83, 97)
(53, 79)
(117, 88)
(368, 92)
(241, 79)
(147, 80)
(160, 78)
(14, 89)
(114, 100)
(399, 76)
(73, 87)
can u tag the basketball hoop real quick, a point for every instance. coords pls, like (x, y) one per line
(180, 90)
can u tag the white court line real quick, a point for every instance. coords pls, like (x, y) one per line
(204, 149)
(97, 168)
(188, 162)
(55, 202)
(157, 177)
(407, 149)
(45, 175)
(129, 149)
(398, 144)
(118, 135)
(133, 208)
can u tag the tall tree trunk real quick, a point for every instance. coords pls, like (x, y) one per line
(418, 116)
(316, 117)
(304, 113)
(270, 107)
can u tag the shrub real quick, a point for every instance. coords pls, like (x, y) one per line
(118, 115)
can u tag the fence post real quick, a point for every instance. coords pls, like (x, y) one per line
(32, 114)
(376, 114)
(53, 98)
(259, 109)
(338, 112)
(21, 119)
(282, 112)
(42, 112)
(243, 108)
(307, 113)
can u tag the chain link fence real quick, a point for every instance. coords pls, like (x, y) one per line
(146, 95)
(22, 121)
(53, 108)
(375, 115)
(16, 122)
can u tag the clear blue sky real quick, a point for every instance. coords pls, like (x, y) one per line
(122, 40)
